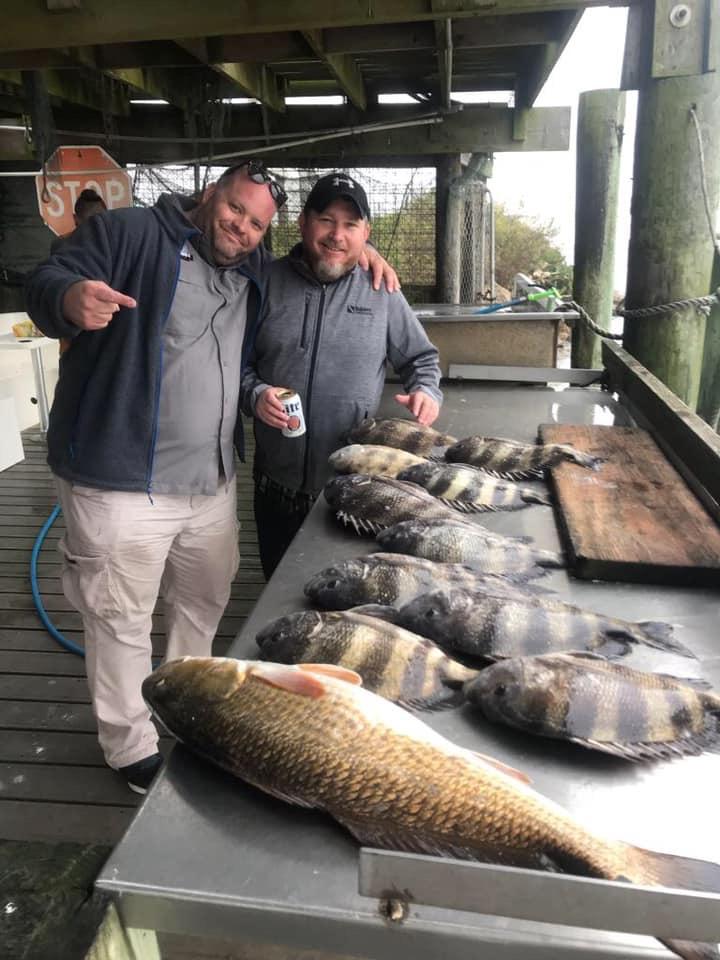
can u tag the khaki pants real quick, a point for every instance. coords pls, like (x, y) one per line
(118, 548)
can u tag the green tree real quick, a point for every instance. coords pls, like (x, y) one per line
(526, 245)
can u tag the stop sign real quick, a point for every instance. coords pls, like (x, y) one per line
(68, 172)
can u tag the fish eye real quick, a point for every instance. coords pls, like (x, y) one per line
(430, 613)
(332, 584)
(500, 690)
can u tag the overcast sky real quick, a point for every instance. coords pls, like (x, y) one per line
(543, 184)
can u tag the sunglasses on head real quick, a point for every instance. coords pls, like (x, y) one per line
(257, 172)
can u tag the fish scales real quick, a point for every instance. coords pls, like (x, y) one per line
(398, 665)
(408, 435)
(373, 460)
(392, 579)
(469, 488)
(509, 458)
(599, 704)
(455, 541)
(315, 739)
(370, 504)
(479, 624)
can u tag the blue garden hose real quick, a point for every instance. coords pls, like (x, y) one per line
(42, 613)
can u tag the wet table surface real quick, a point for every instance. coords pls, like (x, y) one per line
(208, 853)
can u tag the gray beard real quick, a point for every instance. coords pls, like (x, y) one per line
(329, 272)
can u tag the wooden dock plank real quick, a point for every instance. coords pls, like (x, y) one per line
(635, 518)
(56, 783)
(45, 746)
(58, 822)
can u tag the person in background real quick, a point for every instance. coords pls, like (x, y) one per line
(87, 205)
(161, 305)
(326, 334)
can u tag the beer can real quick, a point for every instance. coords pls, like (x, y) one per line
(293, 408)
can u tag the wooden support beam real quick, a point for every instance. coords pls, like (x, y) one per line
(601, 116)
(520, 30)
(155, 84)
(98, 21)
(444, 41)
(671, 249)
(544, 59)
(74, 87)
(252, 80)
(342, 67)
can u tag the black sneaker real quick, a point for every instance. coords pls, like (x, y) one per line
(141, 774)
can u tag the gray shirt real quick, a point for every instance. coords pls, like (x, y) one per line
(202, 348)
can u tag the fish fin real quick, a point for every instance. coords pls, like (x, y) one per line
(445, 699)
(502, 767)
(584, 655)
(690, 950)
(333, 670)
(289, 678)
(697, 683)
(659, 634)
(380, 611)
(613, 647)
(467, 506)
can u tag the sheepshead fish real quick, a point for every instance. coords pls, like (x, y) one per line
(601, 705)
(370, 504)
(471, 489)
(408, 435)
(373, 460)
(393, 579)
(508, 458)
(454, 541)
(480, 625)
(392, 662)
(309, 735)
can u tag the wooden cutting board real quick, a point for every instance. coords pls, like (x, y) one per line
(634, 518)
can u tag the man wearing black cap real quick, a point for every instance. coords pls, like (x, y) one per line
(326, 335)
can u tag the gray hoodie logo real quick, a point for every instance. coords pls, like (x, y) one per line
(354, 308)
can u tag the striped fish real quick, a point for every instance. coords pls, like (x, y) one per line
(454, 541)
(370, 504)
(408, 435)
(392, 662)
(393, 579)
(508, 458)
(601, 705)
(482, 625)
(471, 489)
(373, 460)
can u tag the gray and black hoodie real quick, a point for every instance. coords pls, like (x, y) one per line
(329, 342)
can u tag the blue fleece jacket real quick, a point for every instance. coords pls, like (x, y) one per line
(104, 416)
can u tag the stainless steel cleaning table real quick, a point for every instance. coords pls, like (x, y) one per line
(209, 855)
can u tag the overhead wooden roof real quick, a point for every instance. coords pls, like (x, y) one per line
(95, 56)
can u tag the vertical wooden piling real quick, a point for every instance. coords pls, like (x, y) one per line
(709, 401)
(601, 116)
(447, 230)
(671, 250)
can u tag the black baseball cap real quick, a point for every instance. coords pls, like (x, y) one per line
(337, 186)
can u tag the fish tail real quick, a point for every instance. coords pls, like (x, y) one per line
(583, 459)
(549, 558)
(438, 452)
(536, 496)
(658, 634)
(651, 868)
(690, 950)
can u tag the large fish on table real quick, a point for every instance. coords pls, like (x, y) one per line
(408, 435)
(481, 624)
(392, 662)
(373, 460)
(370, 504)
(601, 705)
(471, 489)
(454, 541)
(309, 735)
(393, 579)
(509, 458)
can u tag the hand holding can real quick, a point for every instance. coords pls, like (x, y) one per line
(292, 404)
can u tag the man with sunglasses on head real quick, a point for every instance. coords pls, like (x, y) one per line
(326, 334)
(161, 306)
